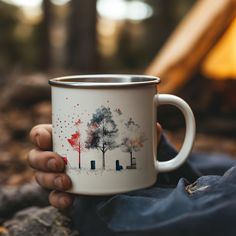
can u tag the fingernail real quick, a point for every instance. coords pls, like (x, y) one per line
(64, 201)
(38, 139)
(52, 164)
(58, 183)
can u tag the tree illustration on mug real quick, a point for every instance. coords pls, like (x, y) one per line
(75, 142)
(132, 141)
(102, 132)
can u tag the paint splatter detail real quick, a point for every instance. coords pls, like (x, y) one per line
(118, 111)
(65, 159)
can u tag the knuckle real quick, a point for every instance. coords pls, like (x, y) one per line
(30, 156)
(60, 199)
(61, 182)
(55, 163)
(36, 159)
(53, 181)
(45, 161)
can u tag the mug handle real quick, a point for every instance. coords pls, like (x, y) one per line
(166, 166)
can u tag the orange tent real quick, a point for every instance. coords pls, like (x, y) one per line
(220, 62)
(192, 43)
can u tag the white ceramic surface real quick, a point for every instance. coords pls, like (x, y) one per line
(106, 132)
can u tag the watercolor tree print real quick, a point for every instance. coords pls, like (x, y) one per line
(75, 142)
(102, 132)
(132, 141)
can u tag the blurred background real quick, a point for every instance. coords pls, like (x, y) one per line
(85, 36)
(193, 51)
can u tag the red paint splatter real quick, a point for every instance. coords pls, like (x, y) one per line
(74, 140)
(65, 160)
(78, 122)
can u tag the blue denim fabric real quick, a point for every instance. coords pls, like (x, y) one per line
(188, 201)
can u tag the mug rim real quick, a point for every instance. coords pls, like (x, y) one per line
(104, 80)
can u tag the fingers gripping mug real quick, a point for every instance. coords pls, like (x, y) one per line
(104, 127)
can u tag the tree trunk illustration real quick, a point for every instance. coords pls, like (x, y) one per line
(79, 160)
(103, 160)
(131, 158)
(103, 155)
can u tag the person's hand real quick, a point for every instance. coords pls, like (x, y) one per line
(49, 167)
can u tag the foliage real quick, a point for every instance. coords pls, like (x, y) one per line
(133, 138)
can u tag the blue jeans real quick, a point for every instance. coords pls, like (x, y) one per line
(197, 199)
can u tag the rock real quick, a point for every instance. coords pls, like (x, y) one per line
(36, 221)
(25, 90)
(13, 199)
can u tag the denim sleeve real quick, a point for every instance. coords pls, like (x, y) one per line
(183, 202)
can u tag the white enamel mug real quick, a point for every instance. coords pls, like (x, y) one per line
(104, 126)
